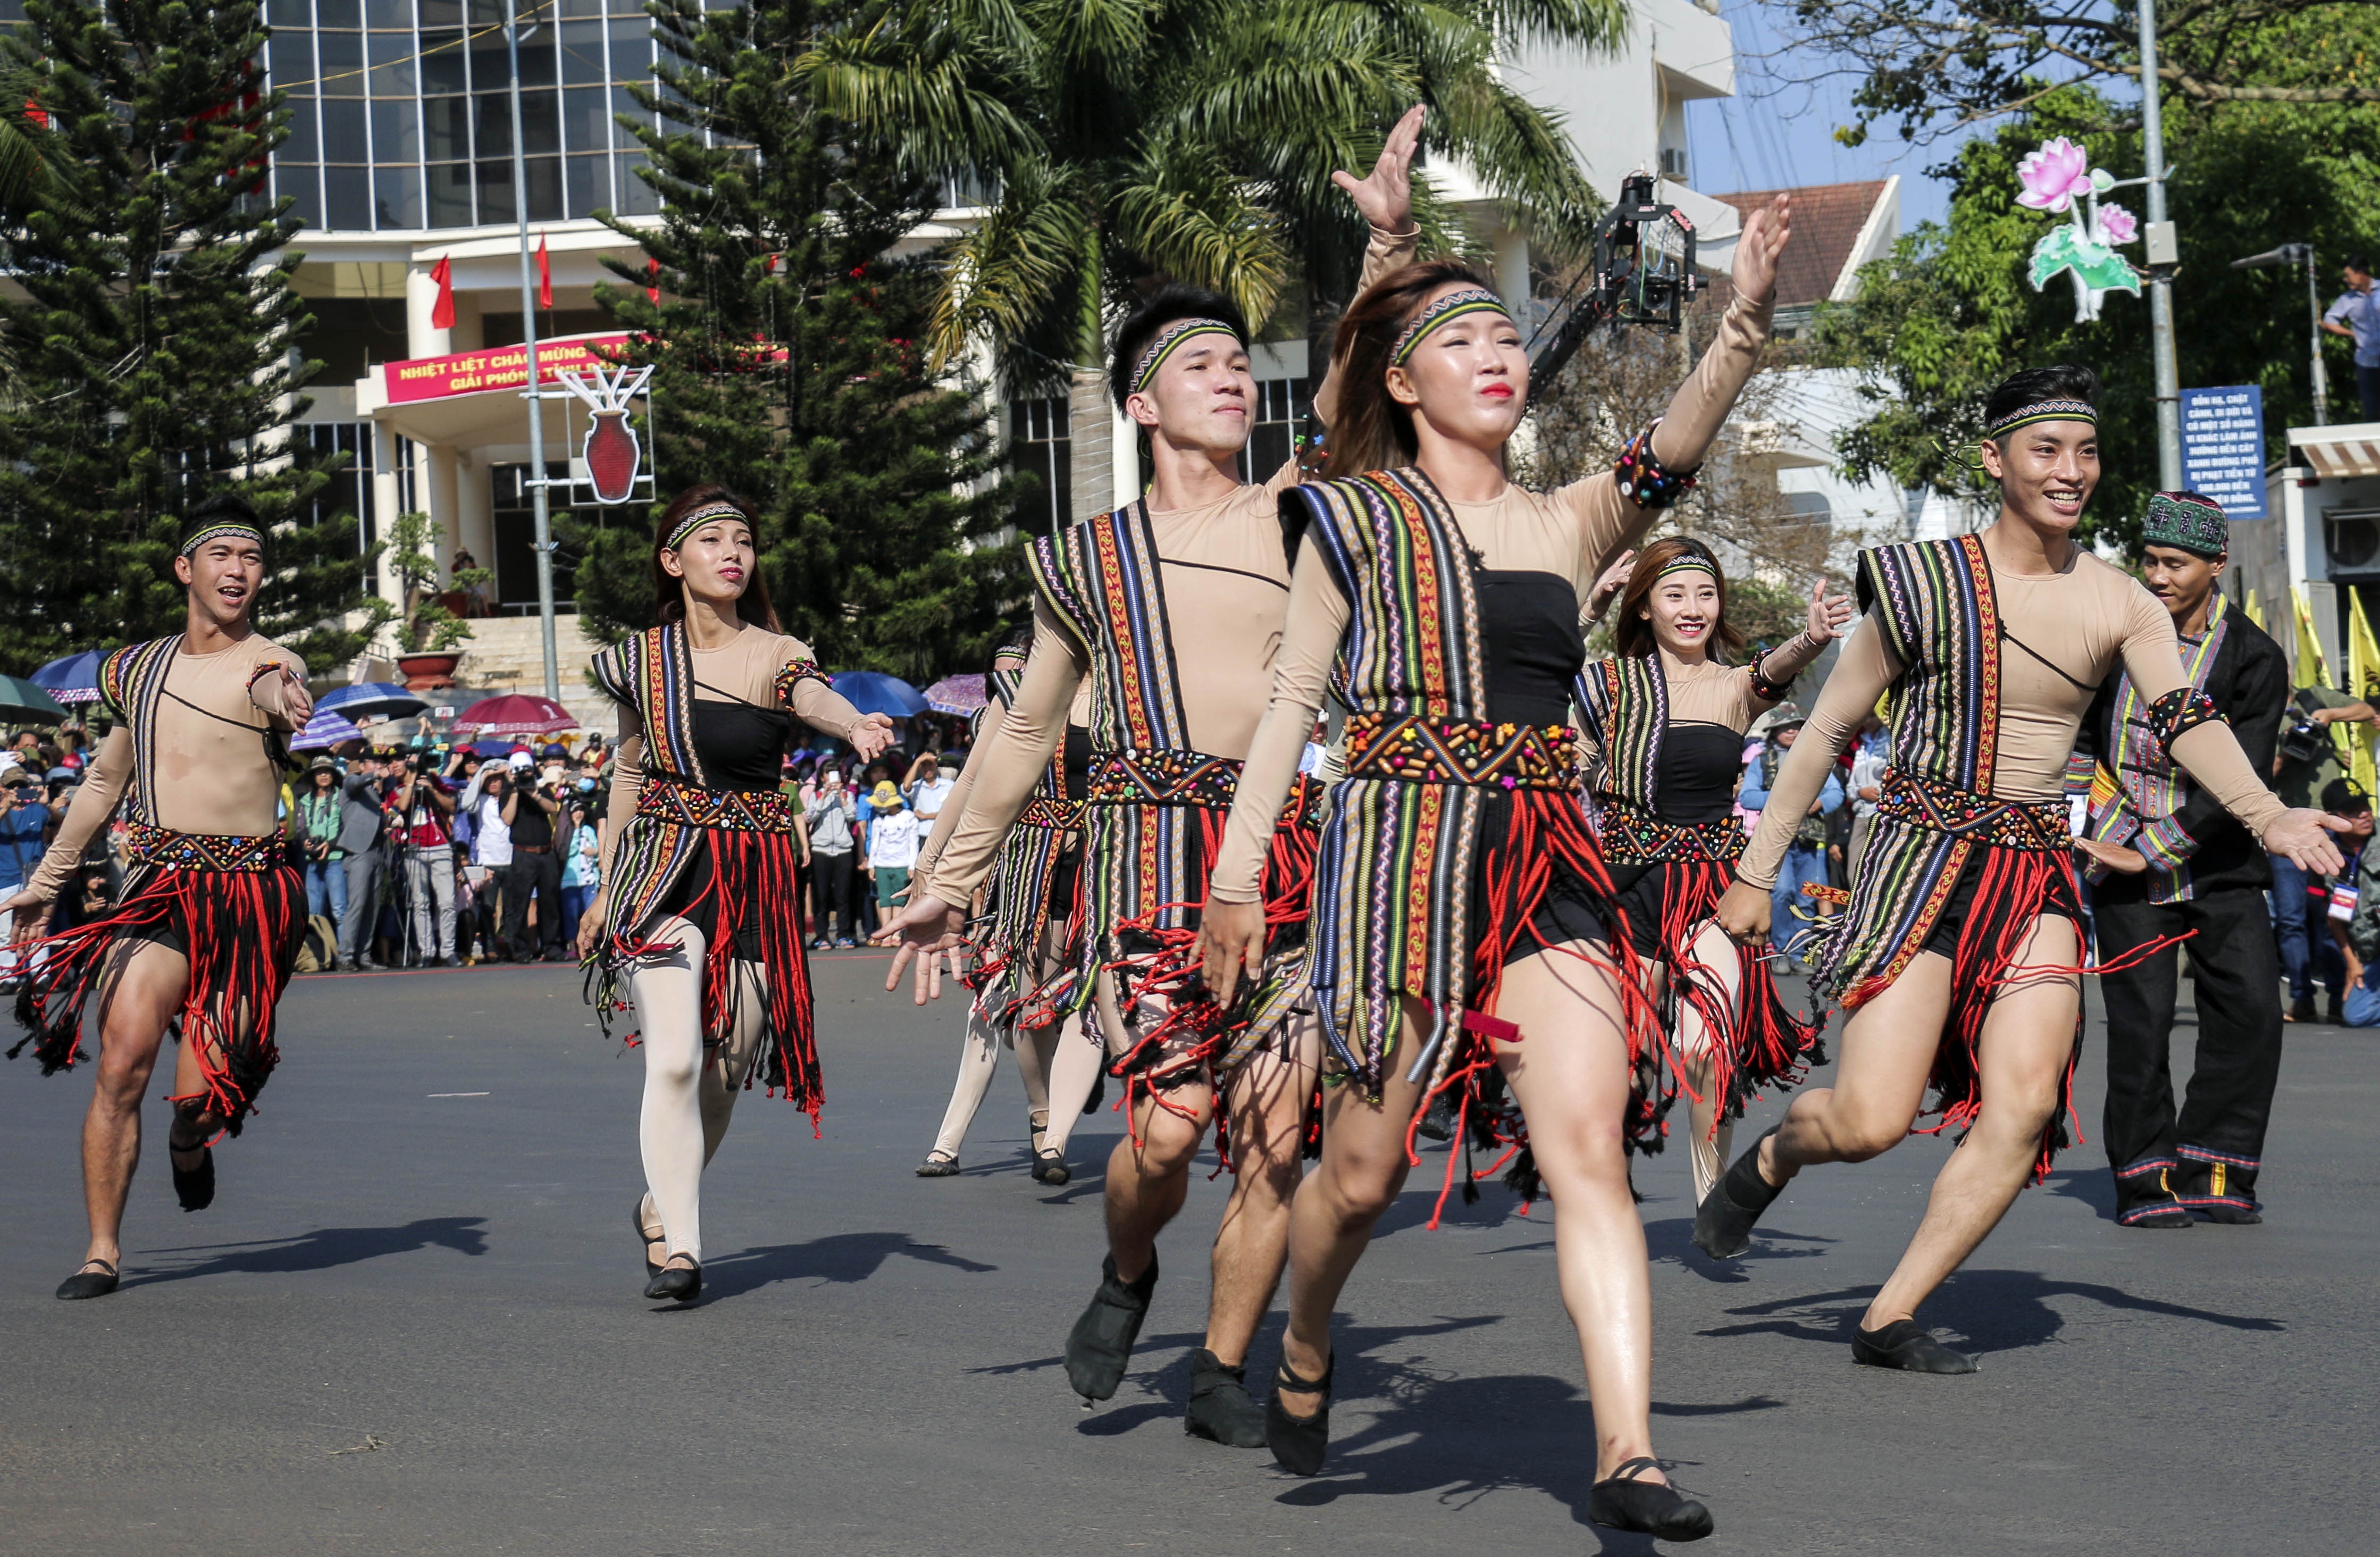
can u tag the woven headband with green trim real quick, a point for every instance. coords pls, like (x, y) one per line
(1454, 304)
(2043, 410)
(700, 516)
(222, 533)
(1689, 563)
(1168, 340)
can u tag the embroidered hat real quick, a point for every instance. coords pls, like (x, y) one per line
(2187, 520)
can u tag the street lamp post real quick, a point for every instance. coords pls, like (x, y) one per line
(2162, 256)
(544, 529)
(2294, 254)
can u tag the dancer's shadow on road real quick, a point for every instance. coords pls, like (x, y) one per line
(1671, 1240)
(322, 1249)
(1993, 1310)
(2095, 1187)
(842, 1258)
(1458, 1439)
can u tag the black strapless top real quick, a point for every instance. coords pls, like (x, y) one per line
(1699, 765)
(1528, 628)
(742, 745)
(1078, 761)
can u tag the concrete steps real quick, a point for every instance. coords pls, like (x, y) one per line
(506, 654)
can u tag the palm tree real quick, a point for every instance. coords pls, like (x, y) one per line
(1196, 139)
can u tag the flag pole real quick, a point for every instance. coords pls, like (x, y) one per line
(537, 482)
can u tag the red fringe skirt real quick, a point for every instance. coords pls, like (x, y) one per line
(241, 930)
(742, 892)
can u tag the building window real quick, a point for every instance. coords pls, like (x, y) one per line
(401, 111)
(1041, 444)
(1283, 405)
(515, 528)
(347, 499)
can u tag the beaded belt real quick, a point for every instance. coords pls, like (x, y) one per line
(1942, 806)
(1056, 815)
(147, 844)
(1632, 835)
(1162, 776)
(1415, 749)
(689, 805)
(1308, 798)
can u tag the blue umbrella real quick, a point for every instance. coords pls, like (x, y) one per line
(326, 730)
(372, 699)
(874, 692)
(74, 679)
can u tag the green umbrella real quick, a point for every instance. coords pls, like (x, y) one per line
(20, 699)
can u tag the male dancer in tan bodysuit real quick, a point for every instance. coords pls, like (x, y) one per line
(1186, 381)
(209, 925)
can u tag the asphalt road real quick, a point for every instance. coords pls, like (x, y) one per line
(412, 1322)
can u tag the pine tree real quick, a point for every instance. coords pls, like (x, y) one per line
(788, 362)
(154, 353)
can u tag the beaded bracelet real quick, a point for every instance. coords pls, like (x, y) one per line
(1764, 686)
(1643, 479)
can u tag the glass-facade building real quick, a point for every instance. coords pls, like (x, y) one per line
(401, 116)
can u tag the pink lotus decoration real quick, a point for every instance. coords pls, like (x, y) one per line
(2053, 176)
(2117, 225)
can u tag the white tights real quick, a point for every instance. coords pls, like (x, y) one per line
(978, 1057)
(689, 1091)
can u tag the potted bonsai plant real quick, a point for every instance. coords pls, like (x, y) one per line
(429, 631)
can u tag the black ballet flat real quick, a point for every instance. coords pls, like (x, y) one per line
(1050, 1167)
(676, 1284)
(1100, 1344)
(1438, 1120)
(936, 1165)
(1902, 1345)
(196, 1187)
(636, 1221)
(1723, 1222)
(1299, 1443)
(1653, 1508)
(1222, 1410)
(88, 1283)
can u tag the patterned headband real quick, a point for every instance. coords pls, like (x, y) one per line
(1688, 562)
(702, 515)
(2043, 410)
(1170, 338)
(227, 532)
(1454, 304)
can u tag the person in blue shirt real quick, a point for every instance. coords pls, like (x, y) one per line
(2355, 315)
(23, 822)
(1805, 860)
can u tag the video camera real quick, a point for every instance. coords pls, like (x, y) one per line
(2304, 738)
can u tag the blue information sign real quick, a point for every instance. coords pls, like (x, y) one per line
(2223, 447)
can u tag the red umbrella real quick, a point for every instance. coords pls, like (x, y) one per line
(515, 714)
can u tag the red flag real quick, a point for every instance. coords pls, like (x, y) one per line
(653, 274)
(544, 275)
(442, 312)
(36, 113)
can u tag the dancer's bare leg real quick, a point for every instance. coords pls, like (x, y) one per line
(1149, 1171)
(1361, 1171)
(2027, 1039)
(1267, 1099)
(1885, 1057)
(1571, 1076)
(141, 987)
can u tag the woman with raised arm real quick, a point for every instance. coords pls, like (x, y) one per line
(1959, 956)
(1462, 919)
(699, 916)
(1028, 939)
(1662, 724)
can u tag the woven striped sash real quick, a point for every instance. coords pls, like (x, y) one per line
(680, 804)
(1416, 749)
(165, 849)
(1941, 807)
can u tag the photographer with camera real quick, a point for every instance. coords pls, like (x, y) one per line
(319, 822)
(363, 830)
(536, 868)
(419, 806)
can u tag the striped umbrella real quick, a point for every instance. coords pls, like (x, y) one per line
(326, 730)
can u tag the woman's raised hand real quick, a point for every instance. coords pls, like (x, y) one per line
(1386, 197)
(1829, 614)
(1766, 232)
